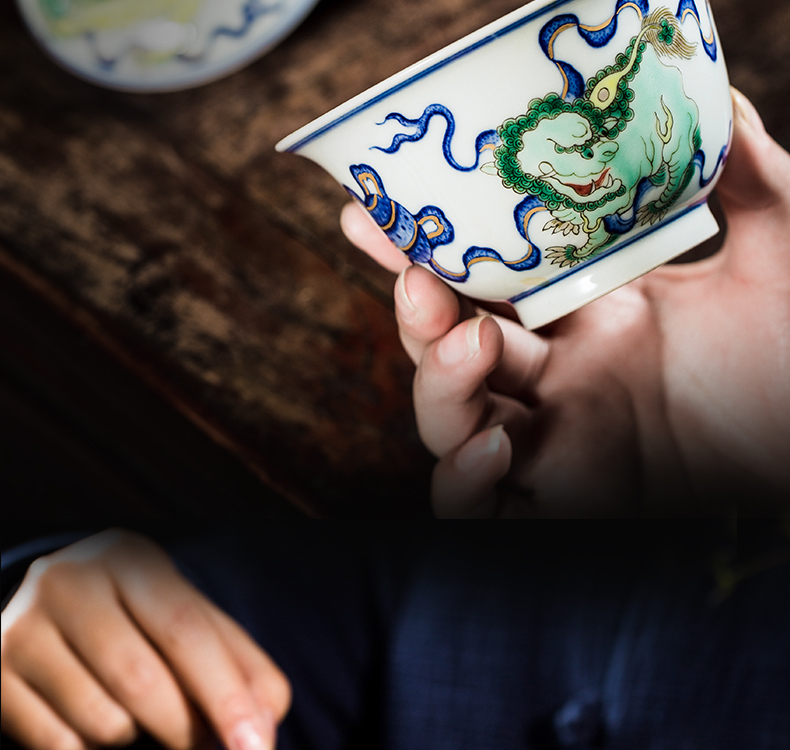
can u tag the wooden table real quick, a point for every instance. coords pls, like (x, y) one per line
(167, 229)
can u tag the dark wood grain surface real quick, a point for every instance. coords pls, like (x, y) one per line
(167, 229)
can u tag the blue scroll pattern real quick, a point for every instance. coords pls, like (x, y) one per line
(419, 234)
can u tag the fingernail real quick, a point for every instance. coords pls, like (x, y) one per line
(473, 335)
(453, 349)
(479, 450)
(402, 295)
(462, 343)
(246, 736)
(745, 111)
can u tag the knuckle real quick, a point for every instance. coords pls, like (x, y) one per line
(61, 580)
(51, 578)
(24, 643)
(15, 639)
(136, 677)
(130, 542)
(185, 624)
(46, 579)
(74, 567)
(39, 567)
(135, 558)
(138, 548)
(233, 706)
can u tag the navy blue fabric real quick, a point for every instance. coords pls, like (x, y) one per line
(473, 642)
(589, 650)
(317, 600)
(437, 640)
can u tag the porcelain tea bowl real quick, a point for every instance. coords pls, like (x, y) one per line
(159, 45)
(548, 158)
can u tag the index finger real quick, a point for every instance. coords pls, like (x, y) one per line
(363, 232)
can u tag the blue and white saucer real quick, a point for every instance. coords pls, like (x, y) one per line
(159, 45)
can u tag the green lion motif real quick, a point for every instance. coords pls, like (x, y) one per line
(590, 159)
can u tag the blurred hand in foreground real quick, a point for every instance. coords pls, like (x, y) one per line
(669, 396)
(106, 637)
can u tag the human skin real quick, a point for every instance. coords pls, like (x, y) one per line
(106, 638)
(667, 397)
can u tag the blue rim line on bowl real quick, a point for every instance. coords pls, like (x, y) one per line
(415, 72)
(679, 221)
(425, 67)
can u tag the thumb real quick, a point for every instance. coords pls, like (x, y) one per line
(757, 175)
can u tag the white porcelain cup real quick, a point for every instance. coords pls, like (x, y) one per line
(549, 157)
(159, 45)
